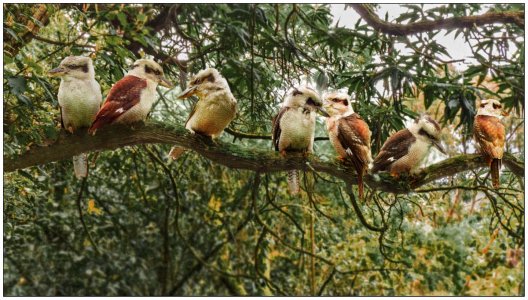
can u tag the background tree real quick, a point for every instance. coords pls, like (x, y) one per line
(219, 220)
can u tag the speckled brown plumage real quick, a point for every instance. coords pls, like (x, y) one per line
(352, 143)
(490, 135)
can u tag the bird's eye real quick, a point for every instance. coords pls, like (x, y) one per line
(148, 70)
(345, 102)
(497, 106)
(482, 105)
(310, 101)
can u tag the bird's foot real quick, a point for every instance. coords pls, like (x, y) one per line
(70, 129)
(283, 153)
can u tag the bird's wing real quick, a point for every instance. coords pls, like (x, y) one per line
(354, 135)
(394, 148)
(124, 95)
(276, 130)
(490, 134)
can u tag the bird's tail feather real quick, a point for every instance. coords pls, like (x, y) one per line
(80, 165)
(176, 152)
(495, 168)
(360, 185)
(293, 182)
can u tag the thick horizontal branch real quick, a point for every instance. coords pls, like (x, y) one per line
(243, 135)
(449, 23)
(233, 156)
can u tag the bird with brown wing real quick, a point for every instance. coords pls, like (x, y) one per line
(349, 134)
(406, 149)
(293, 127)
(490, 134)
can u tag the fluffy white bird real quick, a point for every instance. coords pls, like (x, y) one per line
(294, 127)
(404, 151)
(79, 100)
(215, 109)
(349, 134)
(131, 98)
(490, 134)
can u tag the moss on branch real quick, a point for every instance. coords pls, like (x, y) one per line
(233, 156)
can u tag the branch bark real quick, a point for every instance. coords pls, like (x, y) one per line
(450, 23)
(233, 156)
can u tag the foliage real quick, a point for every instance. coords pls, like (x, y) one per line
(191, 227)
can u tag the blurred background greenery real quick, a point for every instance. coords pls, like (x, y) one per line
(192, 227)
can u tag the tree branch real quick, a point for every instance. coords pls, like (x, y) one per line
(450, 23)
(233, 156)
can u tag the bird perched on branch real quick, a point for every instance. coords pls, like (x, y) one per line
(404, 151)
(489, 133)
(131, 98)
(349, 134)
(293, 128)
(79, 100)
(216, 107)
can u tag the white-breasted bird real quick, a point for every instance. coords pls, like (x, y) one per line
(131, 98)
(294, 127)
(79, 100)
(349, 134)
(490, 134)
(404, 151)
(215, 109)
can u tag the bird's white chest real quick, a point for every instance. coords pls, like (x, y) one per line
(297, 129)
(79, 101)
(147, 98)
(213, 114)
(416, 154)
(331, 126)
(140, 111)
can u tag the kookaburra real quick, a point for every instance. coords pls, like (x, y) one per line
(489, 133)
(349, 134)
(79, 100)
(131, 98)
(294, 127)
(404, 151)
(215, 109)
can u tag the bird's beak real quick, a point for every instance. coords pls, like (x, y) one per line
(165, 82)
(56, 72)
(439, 146)
(322, 111)
(188, 92)
(504, 113)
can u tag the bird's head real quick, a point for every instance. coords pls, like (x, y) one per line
(429, 129)
(79, 67)
(150, 70)
(205, 81)
(307, 98)
(337, 103)
(491, 107)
